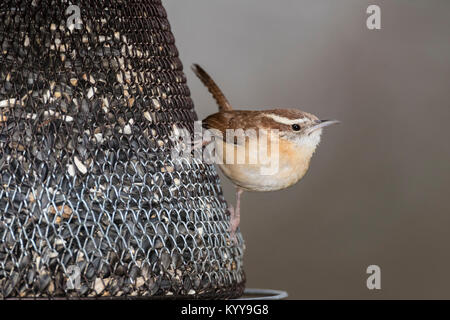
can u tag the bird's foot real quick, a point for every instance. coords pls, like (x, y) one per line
(198, 144)
(234, 223)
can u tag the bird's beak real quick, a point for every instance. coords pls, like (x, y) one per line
(321, 124)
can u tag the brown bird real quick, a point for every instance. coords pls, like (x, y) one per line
(260, 150)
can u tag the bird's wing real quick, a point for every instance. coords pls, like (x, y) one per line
(218, 95)
(218, 121)
(236, 119)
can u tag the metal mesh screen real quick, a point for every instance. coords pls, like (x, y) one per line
(91, 204)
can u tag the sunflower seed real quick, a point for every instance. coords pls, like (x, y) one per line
(71, 170)
(80, 166)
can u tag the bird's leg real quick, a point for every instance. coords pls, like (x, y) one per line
(197, 148)
(199, 144)
(235, 214)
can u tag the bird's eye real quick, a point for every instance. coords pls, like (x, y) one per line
(295, 127)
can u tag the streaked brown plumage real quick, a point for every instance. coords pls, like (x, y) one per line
(253, 119)
(212, 87)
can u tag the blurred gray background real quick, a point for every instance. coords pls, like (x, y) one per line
(378, 188)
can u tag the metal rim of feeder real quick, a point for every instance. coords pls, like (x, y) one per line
(263, 294)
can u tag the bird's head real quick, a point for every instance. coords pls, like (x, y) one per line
(296, 126)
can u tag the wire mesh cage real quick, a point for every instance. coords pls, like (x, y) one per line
(91, 203)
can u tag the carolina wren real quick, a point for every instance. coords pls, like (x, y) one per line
(298, 136)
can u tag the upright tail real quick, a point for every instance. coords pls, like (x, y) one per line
(218, 95)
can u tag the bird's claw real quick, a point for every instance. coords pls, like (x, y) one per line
(234, 238)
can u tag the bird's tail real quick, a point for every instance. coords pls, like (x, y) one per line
(218, 95)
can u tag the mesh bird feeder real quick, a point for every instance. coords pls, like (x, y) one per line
(92, 205)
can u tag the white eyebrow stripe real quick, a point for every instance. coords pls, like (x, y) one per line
(284, 120)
